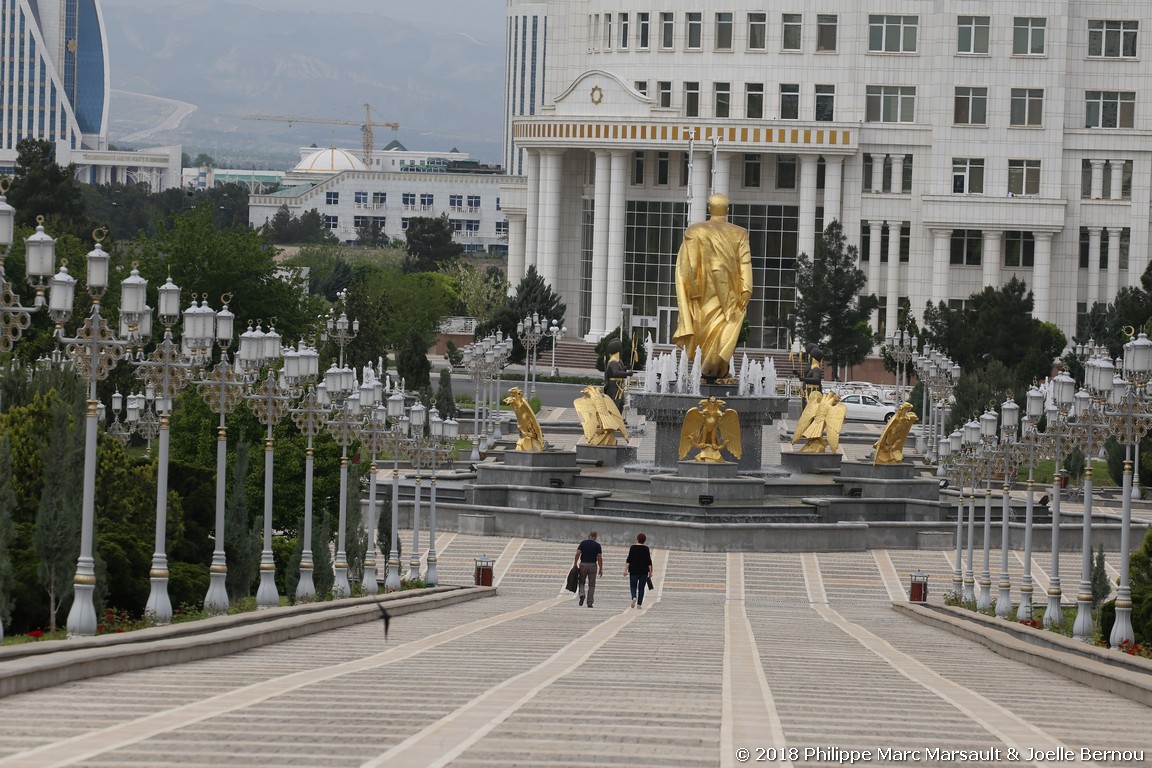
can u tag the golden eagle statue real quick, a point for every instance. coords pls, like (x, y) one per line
(599, 417)
(890, 446)
(821, 422)
(711, 430)
(531, 439)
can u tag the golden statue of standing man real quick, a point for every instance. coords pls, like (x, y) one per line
(713, 286)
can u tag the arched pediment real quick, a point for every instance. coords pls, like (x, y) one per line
(597, 93)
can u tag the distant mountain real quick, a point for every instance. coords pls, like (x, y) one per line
(441, 80)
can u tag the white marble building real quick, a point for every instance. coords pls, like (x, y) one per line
(958, 143)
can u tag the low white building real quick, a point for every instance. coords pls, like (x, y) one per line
(425, 184)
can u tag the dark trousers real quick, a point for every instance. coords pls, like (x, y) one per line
(636, 583)
(587, 572)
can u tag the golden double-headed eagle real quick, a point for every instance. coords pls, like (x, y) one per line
(821, 422)
(711, 430)
(531, 438)
(599, 417)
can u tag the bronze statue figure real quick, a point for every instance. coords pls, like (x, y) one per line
(531, 438)
(813, 378)
(599, 417)
(615, 374)
(890, 446)
(713, 287)
(711, 430)
(821, 422)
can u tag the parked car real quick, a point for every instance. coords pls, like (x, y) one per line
(867, 408)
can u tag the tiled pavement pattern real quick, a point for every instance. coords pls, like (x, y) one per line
(733, 651)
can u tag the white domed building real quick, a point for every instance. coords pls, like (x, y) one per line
(318, 164)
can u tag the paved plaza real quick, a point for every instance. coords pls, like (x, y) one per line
(798, 659)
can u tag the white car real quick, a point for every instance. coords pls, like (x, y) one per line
(867, 408)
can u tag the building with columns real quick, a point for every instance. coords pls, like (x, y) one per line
(55, 74)
(959, 144)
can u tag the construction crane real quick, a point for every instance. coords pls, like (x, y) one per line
(366, 126)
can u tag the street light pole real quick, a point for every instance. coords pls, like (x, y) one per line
(1064, 388)
(530, 330)
(397, 435)
(557, 332)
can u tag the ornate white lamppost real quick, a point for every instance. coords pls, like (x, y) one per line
(40, 263)
(901, 347)
(416, 417)
(1031, 440)
(428, 450)
(371, 392)
(167, 371)
(341, 388)
(556, 332)
(1133, 415)
(309, 415)
(1063, 391)
(530, 331)
(1010, 458)
(221, 390)
(501, 349)
(94, 351)
(989, 453)
(268, 402)
(951, 462)
(971, 447)
(396, 440)
(374, 439)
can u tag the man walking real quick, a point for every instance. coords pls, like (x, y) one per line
(590, 560)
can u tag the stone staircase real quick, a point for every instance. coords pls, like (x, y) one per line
(570, 353)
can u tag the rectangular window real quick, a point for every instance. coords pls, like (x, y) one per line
(331, 222)
(1028, 36)
(789, 101)
(967, 247)
(379, 198)
(667, 28)
(332, 198)
(409, 200)
(404, 223)
(754, 101)
(638, 168)
(892, 34)
(970, 106)
(360, 221)
(825, 103)
(1024, 177)
(695, 22)
(723, 99)
(785, 171)
(427, 201)
(692, 99)
(472, 226)
(641, 86)
(1019, 249)
(664, 88)
(501, 229)
(456, 202)
(1108, 109)
(623, 31)
(1027, 107)
(972, 34)
(890, 104)
(1112, 39)
(967, 176)
(757, 31)
(473, 202)
(360, 198)
(607, 31)
(790, 34)
(752, 171)
(724, 31)
(662, 169)
(826, 32)
(642, 31)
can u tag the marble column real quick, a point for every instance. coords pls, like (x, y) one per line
(941, 266)
(1113, 264)
(616, 217)
(990, 257)
(833, 177)
(1042, 275)
(701, 185)
(1097, 179)
(548, 236)
(877, 173)
(601, 206)
(532, 223)
(875, 233)
(892, 307)
(723, 176)
(806, 241)
(516, 227)
(1093, 265)
(1117, 192)
(897, 175)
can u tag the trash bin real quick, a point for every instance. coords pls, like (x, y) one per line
(484, 571)
(919, 591)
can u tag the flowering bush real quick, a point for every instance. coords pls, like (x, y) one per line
(1135, 649)
(116, 620)
(416, 583)
(36, 634)
(952, 597)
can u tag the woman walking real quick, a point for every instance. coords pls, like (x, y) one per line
(638, 569)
